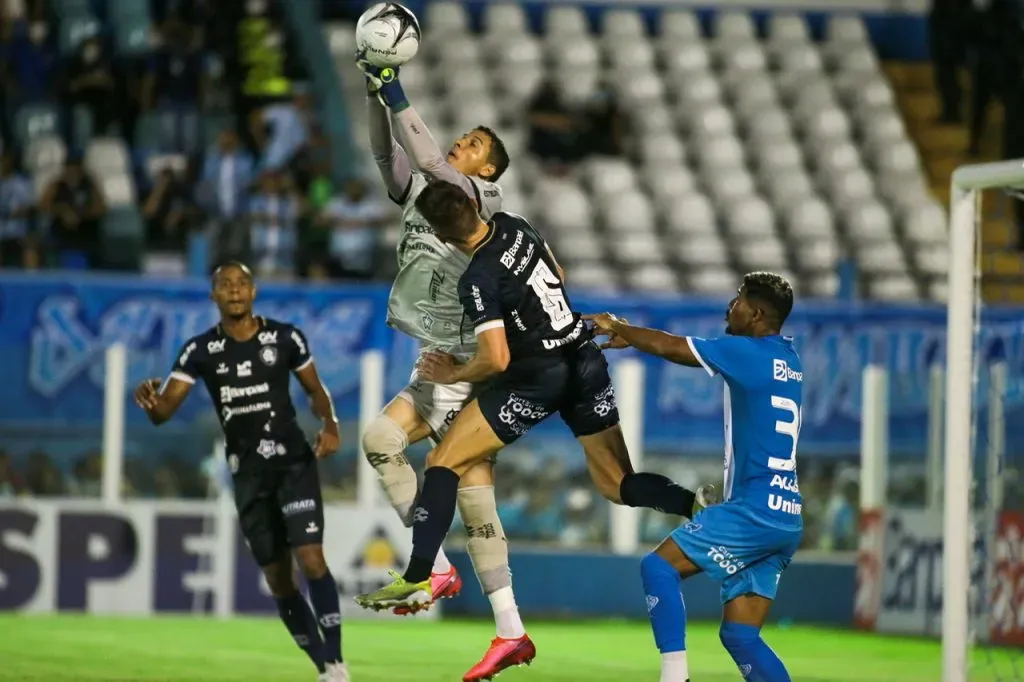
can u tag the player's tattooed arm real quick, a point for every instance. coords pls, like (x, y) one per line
(651, 341)
(160, 403)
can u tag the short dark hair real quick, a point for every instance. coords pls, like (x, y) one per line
(498, 156)
(772, 291)
(448, 209)
(229, 264)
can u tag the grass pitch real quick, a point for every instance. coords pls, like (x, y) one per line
(258, 650)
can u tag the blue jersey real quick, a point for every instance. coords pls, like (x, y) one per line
(763, 394)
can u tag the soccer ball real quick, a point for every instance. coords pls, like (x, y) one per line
(389, 34)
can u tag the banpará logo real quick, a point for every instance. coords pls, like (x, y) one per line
(229, 393)
(782, 372)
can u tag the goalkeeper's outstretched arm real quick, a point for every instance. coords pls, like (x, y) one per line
(392, 161)
(426, 154)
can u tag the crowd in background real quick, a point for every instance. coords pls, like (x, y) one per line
(260, 189)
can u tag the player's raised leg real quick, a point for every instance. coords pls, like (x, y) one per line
(488, 548)
(385, 441)
(299, 498)
(469, 441)
(662, 571)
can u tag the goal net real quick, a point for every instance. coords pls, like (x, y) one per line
(983, 521)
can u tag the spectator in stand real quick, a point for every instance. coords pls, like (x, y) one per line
(171, 214)
(43, 478)
(273, 220)
(90, 83)
(605, 127)
(28, 63)
(87, 476)
(17, 206)
(174, 86)
(281, 131)
(75, 206)
(11, 484)
(228, 174)
(354, 221)
(552, 136)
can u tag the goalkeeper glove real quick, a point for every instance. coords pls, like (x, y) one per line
(383, 82)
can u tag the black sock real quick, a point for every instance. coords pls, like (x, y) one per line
(657, 492)
(323, 592)
(431, 520)
(301, 623)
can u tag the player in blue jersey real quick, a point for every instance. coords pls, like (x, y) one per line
(746, 542)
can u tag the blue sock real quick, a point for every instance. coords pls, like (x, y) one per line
(756, 661)
(323, 592)
(665, 605)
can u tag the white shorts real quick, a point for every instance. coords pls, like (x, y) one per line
(438, 404)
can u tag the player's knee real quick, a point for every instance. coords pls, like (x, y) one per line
(654, 565)
(280, 578)
(311, 561)
(384, 442)
(736, 637)
(487, 546)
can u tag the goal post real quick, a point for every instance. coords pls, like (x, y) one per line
(963, 307)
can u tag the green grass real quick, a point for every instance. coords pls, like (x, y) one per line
(258, 650)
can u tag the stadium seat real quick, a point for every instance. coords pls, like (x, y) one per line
(629, 212)
(820, 256)
(810, 220)
(445, 18)
(35, 120)
(118, 190)
(75, 29)
(505, 18)
(734, 25)
(712, 281)
(691, 213)
(679, 26)
(701, 250)
(623, 23)
(45, 153)
(636, 249)
(562, 21)
(106, 155)
(594, 276)
(607, 176)
(652, 278)
(822, 285)
(868, 221)
(932, 259)
(132, 33)
(799, 58)
(881, 258)
(686, 57)
(787, 29)
(842, 30)
(665, 183)
(572, 248)
(750, 220)
(762, 253)
(926, 224)
(893, 288)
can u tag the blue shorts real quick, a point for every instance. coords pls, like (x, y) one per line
(736, 549)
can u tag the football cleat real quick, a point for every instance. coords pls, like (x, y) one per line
(502, 654)
(442, 585)
(414, 596)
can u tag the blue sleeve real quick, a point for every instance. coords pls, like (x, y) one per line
(731, 356)
(480, 294)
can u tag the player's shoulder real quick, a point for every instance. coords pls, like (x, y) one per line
(202, 345)
(485, 189)
(514, 221)
(417, 183)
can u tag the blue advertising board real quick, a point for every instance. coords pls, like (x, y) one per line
(53, 331)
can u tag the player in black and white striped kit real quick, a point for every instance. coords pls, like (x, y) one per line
(247, 363)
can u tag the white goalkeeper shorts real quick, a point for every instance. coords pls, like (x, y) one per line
(438, 404)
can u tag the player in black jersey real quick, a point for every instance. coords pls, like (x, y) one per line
(535, 356)
(246, 363)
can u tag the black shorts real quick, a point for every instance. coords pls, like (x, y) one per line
(577, 386)
(280, 509)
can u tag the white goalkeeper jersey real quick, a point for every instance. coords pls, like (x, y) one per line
(424, 301)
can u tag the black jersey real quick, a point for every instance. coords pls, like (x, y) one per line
(249, 384)
(512, 281)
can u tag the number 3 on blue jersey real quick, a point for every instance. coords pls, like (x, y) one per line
(764, 379)
(791, 428)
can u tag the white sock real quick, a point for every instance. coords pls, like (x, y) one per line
(441, 563)
(506, 614)
(673, 667)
